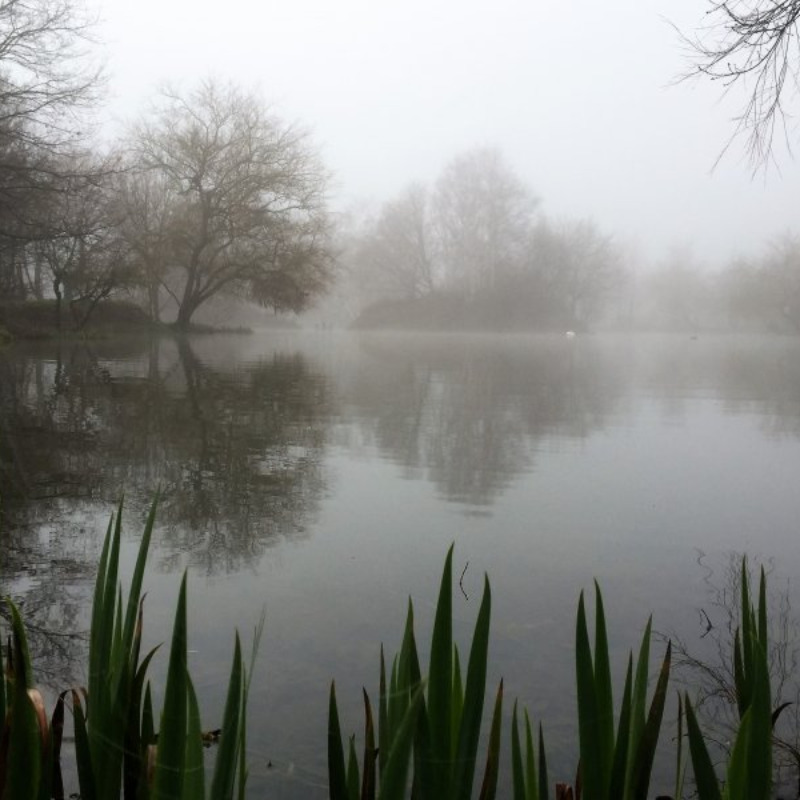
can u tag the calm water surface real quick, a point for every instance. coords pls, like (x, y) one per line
(323, 477)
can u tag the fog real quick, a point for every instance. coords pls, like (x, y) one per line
(580, 98)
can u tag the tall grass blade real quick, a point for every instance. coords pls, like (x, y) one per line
(517, 771)
(532, 787)
(602, 683)
(456, 703)
(492, 769)
(440, 678)
(622, 744)
(544, 786)
(369, 783)
(25, 754)
(135, 589)
(353, 777)
(383, 717)
(395, 776)
(474, 691)
(224, 777)
(646, 749)
(590, 729)
(337, 770)
(194, 785)
(704, 775)
(638, 703)
(171, 755)
(83, 755)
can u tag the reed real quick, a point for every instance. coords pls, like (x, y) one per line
(118, 750)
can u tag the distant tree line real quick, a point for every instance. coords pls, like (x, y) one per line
(756, 293)
(473, 251)
(209, 193)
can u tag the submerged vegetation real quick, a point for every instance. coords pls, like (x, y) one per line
(428, 732)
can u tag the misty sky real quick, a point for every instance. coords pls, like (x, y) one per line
(577, 95)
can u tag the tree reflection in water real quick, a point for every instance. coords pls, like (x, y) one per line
(469, 416)
(237, 455)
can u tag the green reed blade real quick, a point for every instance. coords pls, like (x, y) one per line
(194, 784)
(638, 703)
(736, 781)
(23, 768)
(86, 778)
(762, 608)
(440, 677)
(531, 783)
(492, 768)
(337, 770)
(430, 776)
(590, 730)
(759, 767)
(739, 684)
(383, 718)
(135, 588)
(393, 702)
(517, 772)
(224, 777)
(23, 669)
(544, 789)
(368, 784)
(616, 786)
(474, 691)
(148, 734)
(171, 754)
(456, 704)
(353, 777)
(602, 683)
(395, 777)
(646, 750)
(704, 775)
(99, 615)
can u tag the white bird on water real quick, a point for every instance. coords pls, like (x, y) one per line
(570, 334)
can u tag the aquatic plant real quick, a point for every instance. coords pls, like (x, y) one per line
(439, 719)
(118, 750)
(749, 769)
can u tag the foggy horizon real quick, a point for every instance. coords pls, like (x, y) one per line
(582, 101)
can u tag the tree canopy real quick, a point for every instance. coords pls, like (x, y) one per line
(244, 195)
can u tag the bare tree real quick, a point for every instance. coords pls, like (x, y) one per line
(395, 255)
(249, 212)
(83, 254)
(754, 43)
(483, 215)
(146, 205)
(579, 266)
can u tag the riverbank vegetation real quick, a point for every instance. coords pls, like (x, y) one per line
(424, 735)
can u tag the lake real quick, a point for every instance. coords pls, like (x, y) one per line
(322, 476)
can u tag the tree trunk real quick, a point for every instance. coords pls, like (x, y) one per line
(185, 313)
(57, 292)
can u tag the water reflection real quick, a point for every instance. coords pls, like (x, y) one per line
(237, 452)
(469, 415)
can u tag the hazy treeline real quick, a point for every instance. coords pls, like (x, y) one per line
(756, 293)
(210, 194)
(474, 251)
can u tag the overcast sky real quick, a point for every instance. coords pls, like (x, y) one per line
(577, 94)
